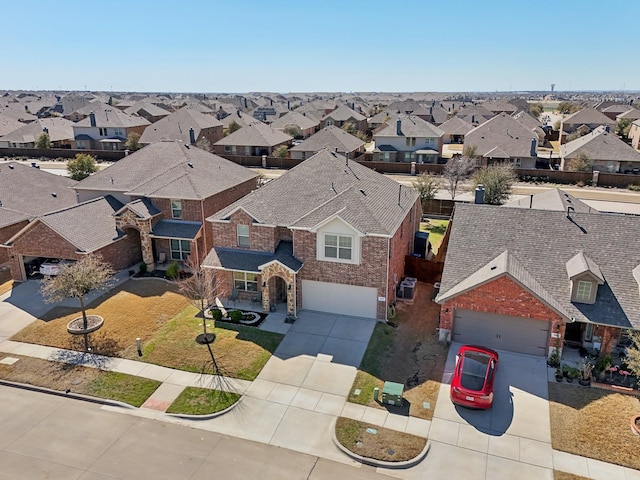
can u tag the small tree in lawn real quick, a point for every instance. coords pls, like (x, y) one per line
(427, 186)
(133, 142)
(458, 169)
(281, 152)
(43, 140)
(233, 126)
(582, 163)
(497, 181)
(76, 280)
(81, 166)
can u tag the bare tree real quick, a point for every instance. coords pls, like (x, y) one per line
(497, 181)
(427, 186)
(76, 280)
(458, 169)
(633, 354)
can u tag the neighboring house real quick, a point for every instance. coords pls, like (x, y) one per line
(167, 190)
(552, 199)
(329, 235)
(64, 106)
(255, 139)
(532, 124)
(331, 138)
(306, 124)
(613, 111)
(547, 278)
(434, 114)
(499, 106)
(631, 114)
(107, 129)
(8, 125)
(584, 121)
(344, 115)
(84, 111)
(238, 116)
(187, 125)
(408, 138)
(147, 110)
(25, 193)
(454, 130)
(17, 111)
(634, 134)
(60, 134)
(475, 114)
(607, 152)
(503, 140)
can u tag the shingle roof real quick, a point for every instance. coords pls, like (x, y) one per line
(330, 137)
(168, 169)
(588, 116)
(503, 135)
(410, 126)
(142, 208)
(256, 134)
(543, 242)
(580, 263)
(176, 126)
(251, 260)
(323, 186)
(343, 113)
(176, 229)
(8, 124)
(58, 129)
(600, 145)
(552, 199)
(28, 192)
(112, 117)
(150, 108)
(304, 122)
(456, 126)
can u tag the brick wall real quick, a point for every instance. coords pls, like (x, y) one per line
(261, 238)
(503, 296)
(123, 253)
(5, 234)
(402, 245)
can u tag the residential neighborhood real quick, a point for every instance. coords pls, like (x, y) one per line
(319, 241)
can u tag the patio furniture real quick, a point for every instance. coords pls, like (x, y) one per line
(233, 297)
(257, 299)
(162, 258)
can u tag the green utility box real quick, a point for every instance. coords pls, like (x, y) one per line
(392, 393)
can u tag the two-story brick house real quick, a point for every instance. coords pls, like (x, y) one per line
(107, 129)
(329, 235)
(408, 138)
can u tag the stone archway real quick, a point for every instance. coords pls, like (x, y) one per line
(278, 270)
(128, 219)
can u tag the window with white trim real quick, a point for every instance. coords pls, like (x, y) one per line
(180, 249)
(339, 247)
(102, 131)
(176, 208)
(583, 291)
(243, 236)
(245, 281)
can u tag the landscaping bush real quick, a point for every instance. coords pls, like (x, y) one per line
(216, 314)
(634, 188)
(235, 316)
(173, 271)
(143, 268)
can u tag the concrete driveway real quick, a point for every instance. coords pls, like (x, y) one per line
(510, 440)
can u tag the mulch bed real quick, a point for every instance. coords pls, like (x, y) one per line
(260, 317)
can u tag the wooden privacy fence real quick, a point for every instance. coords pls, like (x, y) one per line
(424, 270)
(107, 155)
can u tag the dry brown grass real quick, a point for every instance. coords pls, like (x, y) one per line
(409, 354)
(164, 321)
(594, 423)
(387, 445)
(558, 475)
(6, 286)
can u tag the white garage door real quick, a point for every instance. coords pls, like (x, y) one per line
(515, 334)
(336, 298)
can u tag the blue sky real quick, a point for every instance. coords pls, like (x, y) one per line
(324, 45)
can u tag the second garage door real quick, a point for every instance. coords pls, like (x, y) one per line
(515, 334)
(337, 298)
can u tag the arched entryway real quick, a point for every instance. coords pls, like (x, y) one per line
(279, 286)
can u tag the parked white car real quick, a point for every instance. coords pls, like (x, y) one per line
(51, 266)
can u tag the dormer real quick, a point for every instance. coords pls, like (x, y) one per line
(585, 276)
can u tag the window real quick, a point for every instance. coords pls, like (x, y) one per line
(430, 142)
(118, 132)
(583, 292)
(408, 156)
(227, 148)
(245, 281)
(329, 122)
(247, 150)
(337, 246)
(243, 236)
(588, 332)
(385, 157)
(103, 131)
(410, 141)
(176, 208)
(180, 249)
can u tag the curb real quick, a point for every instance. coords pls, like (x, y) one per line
(73, 395)
(208, 416)
(379, 463)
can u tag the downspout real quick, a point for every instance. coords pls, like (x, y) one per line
(204, 229)
(386, 304)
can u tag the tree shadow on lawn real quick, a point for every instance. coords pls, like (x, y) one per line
(267, 340)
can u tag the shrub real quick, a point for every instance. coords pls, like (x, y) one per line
(235, 316)
(634, 188)
(216, 314)
(143, 268)
(173, 271)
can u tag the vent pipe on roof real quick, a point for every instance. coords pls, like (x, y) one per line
(569, 210)
(346, 158)
(531, 201)
(92, 119)
(607, 128)
(479, 199)
(534, 147)
(192, 136)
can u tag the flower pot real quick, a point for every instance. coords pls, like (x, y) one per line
(559, 378)
(585, 382)
(635, 428)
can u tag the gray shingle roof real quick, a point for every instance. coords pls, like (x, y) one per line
(456, 126)
(552, 199)
(580, 263)
(256, 134)
(322, 186)
(600, 145)
(251, 260)
(503, 135)
(176, 229)
(142, 207)
(330, 137)
(410, 126)
(168, 169)
(543, 242)
(176, 126)
(112, 117)
(588, 116)
(304, 122)
(59, 129)
(343, 113)
(8, 124)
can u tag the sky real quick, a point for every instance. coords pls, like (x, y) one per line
(238, 46)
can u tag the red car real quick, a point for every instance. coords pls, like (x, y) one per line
(473, 377)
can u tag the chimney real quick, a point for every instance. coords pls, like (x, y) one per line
(92, 119)
(534, 147)
(399, 127)
(192, 136)
(479, 200)
(45, 130)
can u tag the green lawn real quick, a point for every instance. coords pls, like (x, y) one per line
(202, 401)
(436, 229)
(122, 387)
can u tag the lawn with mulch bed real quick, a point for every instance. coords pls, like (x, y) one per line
(376, 442)
(594, 423)
(409, 354)
(202, 401)
(166, 324)
(89, 381)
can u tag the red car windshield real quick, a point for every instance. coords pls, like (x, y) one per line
(474, 370)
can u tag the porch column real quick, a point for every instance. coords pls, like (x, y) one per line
(609, 339)
(291, 298)
(147, 249)
(266, 302)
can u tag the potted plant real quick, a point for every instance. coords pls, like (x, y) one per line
(572, 373)
(585, 374)
(602, 366)
(559, 375)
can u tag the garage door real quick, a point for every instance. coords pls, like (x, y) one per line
(337, 298)
(515, 334)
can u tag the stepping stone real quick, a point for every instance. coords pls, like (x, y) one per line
(9, 360)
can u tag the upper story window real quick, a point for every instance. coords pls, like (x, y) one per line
(411, 141)
(118, 132)
(176, 208)
(583, 291)
(103, 131)
(338, 246)
(329, 122)
(243, 236)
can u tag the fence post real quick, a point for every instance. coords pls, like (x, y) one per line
(594, 179)
(413, 168)
(264, 161)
